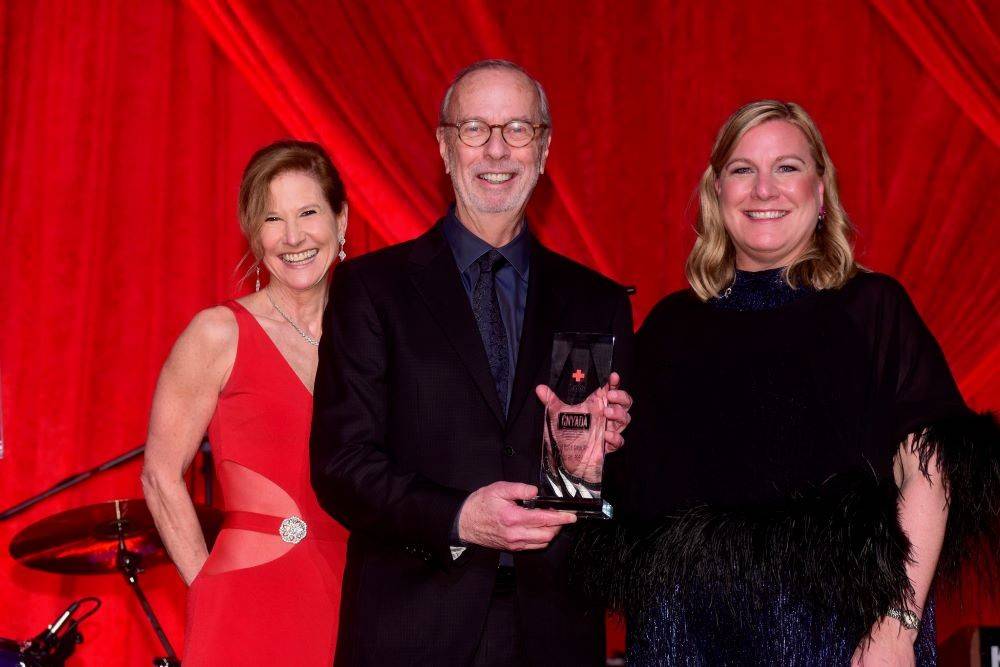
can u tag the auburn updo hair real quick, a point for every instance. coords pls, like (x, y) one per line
(270, 162)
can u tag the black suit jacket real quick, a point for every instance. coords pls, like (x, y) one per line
(407, 423)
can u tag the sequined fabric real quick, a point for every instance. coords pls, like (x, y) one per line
(758, 290)
(742, 634)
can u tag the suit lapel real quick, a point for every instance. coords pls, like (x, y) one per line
(435, 275)
(541, 313)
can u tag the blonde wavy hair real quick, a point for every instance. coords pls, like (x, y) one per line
(828, 261)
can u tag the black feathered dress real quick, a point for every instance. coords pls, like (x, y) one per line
(755, 497)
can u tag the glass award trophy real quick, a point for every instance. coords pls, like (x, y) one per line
(572, 463)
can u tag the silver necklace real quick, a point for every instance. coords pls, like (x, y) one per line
(309, 339)
(729, 290)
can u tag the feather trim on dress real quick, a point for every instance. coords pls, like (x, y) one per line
(837, 547)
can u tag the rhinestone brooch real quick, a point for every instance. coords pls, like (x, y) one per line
(292, 530)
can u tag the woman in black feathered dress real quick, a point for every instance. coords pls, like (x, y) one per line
(801, 463)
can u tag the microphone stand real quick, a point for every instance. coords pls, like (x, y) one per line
(73, 480)
(128, 563)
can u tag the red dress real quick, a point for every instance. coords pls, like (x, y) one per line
(267, 595)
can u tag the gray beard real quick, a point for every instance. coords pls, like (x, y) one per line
(478, 204)
(512, 203)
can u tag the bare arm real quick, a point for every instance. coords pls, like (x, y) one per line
(923, 514)
(185, 399)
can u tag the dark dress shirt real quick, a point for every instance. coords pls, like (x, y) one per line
(511, 278)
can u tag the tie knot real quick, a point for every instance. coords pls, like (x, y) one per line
(490, 261)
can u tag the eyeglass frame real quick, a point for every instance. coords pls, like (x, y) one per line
(534, 128)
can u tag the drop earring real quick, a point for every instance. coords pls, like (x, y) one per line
(822, 216)
(342, 240)
(256, 287)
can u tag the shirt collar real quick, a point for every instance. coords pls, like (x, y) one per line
(467, 247)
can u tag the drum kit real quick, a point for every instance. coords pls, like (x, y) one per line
(117, 536)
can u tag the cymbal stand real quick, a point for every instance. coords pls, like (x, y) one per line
(128, 564)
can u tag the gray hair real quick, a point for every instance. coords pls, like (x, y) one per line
(495, 64)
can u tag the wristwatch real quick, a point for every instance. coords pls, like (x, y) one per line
(907, 618)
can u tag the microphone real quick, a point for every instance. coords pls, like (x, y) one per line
(51, 648)
(46, 636)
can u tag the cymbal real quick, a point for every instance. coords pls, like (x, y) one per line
(85, 540)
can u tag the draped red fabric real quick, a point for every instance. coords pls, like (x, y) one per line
(637, 94)
(124, 127)
(958, 44)
(123, 132)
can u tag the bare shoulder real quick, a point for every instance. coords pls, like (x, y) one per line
(207, 347)
(187, 391)
(212, 329)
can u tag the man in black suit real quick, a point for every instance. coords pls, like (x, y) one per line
(426, 430)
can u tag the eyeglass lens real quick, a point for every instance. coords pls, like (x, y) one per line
(516, 133)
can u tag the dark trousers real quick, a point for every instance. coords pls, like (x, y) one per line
(500, 644)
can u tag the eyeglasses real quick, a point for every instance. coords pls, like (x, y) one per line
(475, 132)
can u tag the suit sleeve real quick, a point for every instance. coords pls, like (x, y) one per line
(616, 465)
(624, 332)
(354, 478)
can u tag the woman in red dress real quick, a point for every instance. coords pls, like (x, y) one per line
(269, 591)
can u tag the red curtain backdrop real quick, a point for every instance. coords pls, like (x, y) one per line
(123, 132)
(124, 128)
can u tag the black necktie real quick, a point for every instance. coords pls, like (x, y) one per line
(486, 309)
